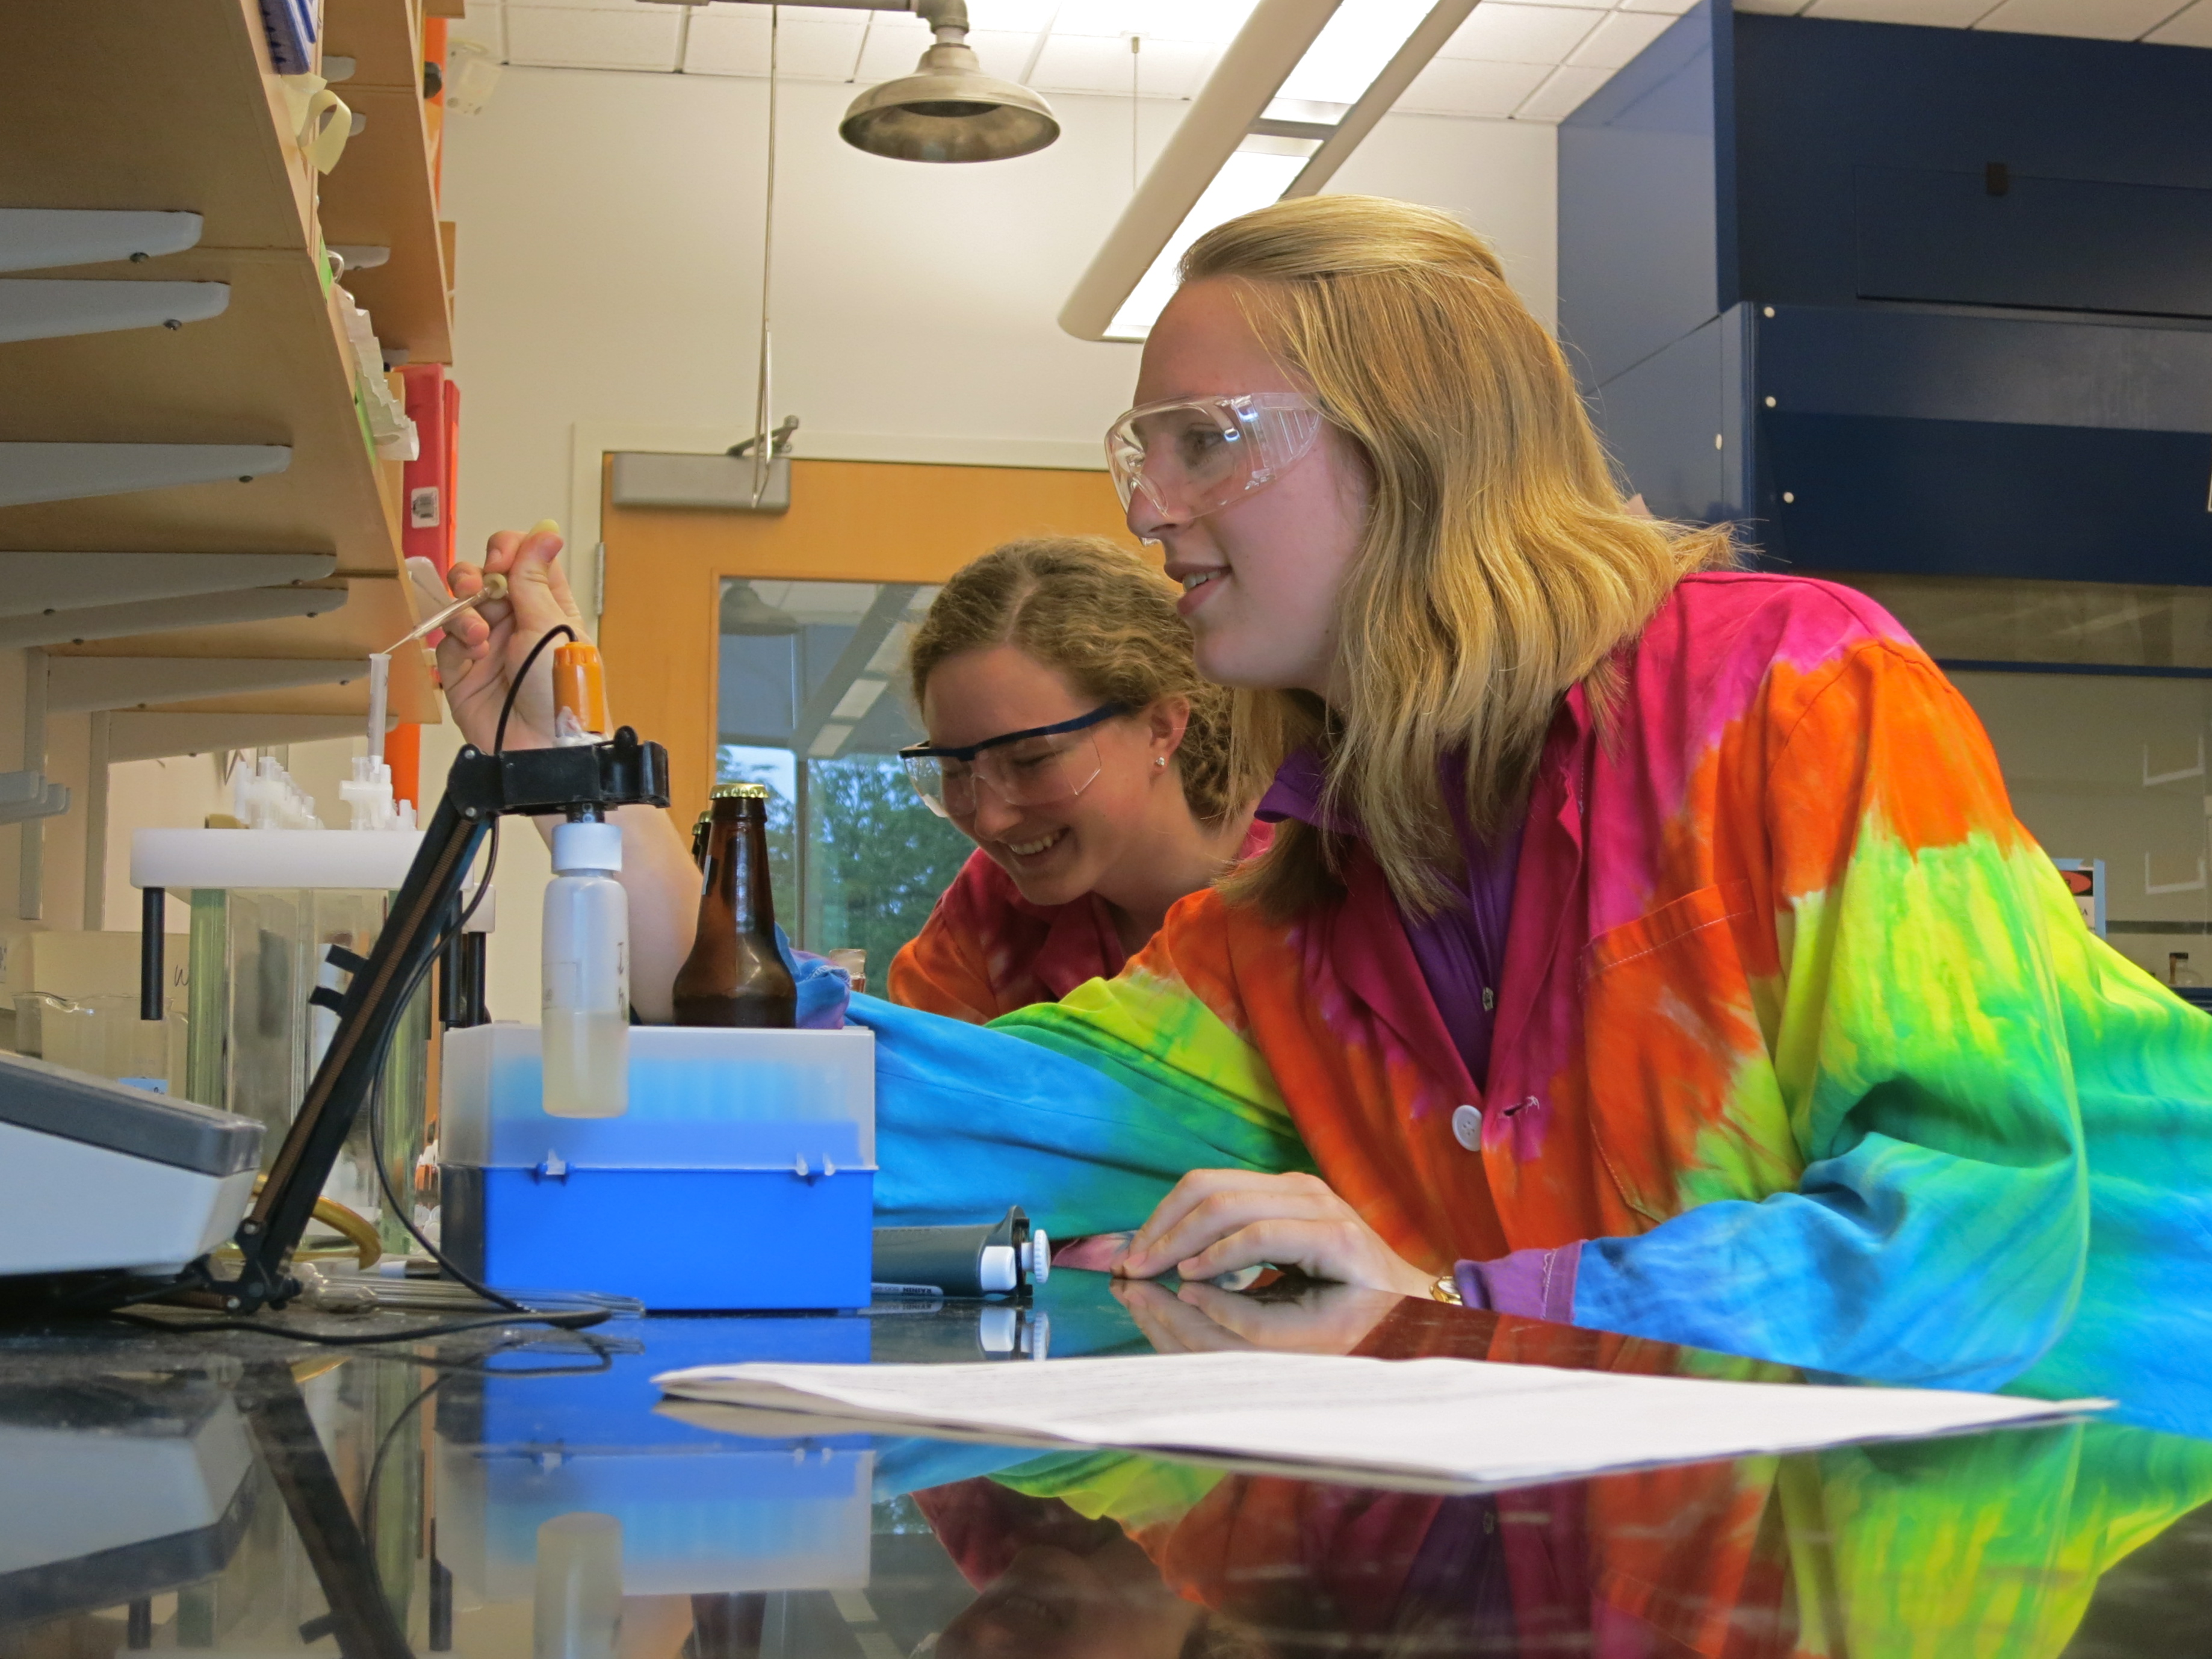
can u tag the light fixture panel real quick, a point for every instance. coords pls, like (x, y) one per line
(1296, 90)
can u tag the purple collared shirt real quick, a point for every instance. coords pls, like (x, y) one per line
(1460, 951)
(1461, 947)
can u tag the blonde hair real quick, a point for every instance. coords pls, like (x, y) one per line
(1498, 567)
(1102, 615)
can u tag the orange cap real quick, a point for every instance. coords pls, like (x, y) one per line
(580, 687)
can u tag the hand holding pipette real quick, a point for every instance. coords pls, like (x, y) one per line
(485, 643)
(424, 575)
(483, 648)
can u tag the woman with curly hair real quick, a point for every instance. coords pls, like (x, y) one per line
(1073, 740)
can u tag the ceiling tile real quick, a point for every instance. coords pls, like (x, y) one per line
(896, 41)
(1089, 63)
(1012, 16)
(1672, 7)
(1500, 34)
(1214, 21)
(1562, 93)
(1456, 86)
(565, 37)
(2192, 28)
(1003, 53)
(733, 40)
(1940, 14)
(2093, 20)
(1620, 38)
(896, 50)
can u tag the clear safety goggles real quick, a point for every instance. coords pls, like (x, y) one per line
(1191, 456)
(1031, 767)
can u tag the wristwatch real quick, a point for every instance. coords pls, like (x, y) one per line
(1446, 1289)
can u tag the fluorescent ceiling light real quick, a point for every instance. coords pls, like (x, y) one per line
(1303, 82)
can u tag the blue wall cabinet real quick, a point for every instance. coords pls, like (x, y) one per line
(1903, 298)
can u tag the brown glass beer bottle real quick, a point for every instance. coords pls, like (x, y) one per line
(734, 975)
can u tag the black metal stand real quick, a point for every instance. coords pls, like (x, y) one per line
(359, 1616)
(593, 778)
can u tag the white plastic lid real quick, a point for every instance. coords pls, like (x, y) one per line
(587, 846)
(996, 1268)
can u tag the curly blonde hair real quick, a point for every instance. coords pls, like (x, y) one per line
(1102, 615)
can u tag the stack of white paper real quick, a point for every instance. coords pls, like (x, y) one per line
(1446, 1422)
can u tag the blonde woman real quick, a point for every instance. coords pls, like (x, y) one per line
(1073, 740)
(1647, 943)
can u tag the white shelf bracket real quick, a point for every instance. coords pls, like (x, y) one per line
(51, 308)
(39, 239)
(64, 472)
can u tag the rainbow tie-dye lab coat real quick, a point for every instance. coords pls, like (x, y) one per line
(1799, 1038)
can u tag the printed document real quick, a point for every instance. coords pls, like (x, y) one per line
(1451, 1424)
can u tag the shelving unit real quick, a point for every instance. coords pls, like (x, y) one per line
(173, 104)
(384, 193)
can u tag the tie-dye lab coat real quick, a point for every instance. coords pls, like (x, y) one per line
(987, 950)
(1799, 1029)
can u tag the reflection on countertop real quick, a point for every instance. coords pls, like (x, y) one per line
(516, 1492)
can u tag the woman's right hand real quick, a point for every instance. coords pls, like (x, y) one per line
(484, 647)
(1199, 1318)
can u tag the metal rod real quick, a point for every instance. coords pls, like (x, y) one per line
(153, 928)
(764, 444)
(284, 1435)
(474, 1006)
(30, 879)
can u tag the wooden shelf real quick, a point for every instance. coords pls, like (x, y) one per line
(152, 104)
(171, 104)
(383, 193)
(376, 613)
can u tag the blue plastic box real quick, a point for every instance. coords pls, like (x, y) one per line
(741, 1178)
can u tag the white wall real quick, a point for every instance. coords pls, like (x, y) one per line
(609, 266)
(609, 272)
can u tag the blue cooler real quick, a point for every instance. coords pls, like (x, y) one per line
(742, 1177)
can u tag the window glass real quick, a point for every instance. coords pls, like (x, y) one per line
(810, 703)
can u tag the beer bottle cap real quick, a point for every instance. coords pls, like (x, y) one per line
(739, 791)
(579, 688)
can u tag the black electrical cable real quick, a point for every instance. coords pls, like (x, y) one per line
(568, 1321)
(403, 1212)
(514, 685)
(481, 1366)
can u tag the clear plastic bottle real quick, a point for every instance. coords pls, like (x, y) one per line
(584, 1027)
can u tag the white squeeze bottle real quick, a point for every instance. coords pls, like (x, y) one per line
(584, 1023)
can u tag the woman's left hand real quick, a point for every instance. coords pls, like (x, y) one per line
(1216, 1221)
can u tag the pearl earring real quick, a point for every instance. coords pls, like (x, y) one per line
(1159, 760)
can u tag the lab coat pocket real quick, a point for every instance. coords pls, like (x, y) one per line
(1685, 1106)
